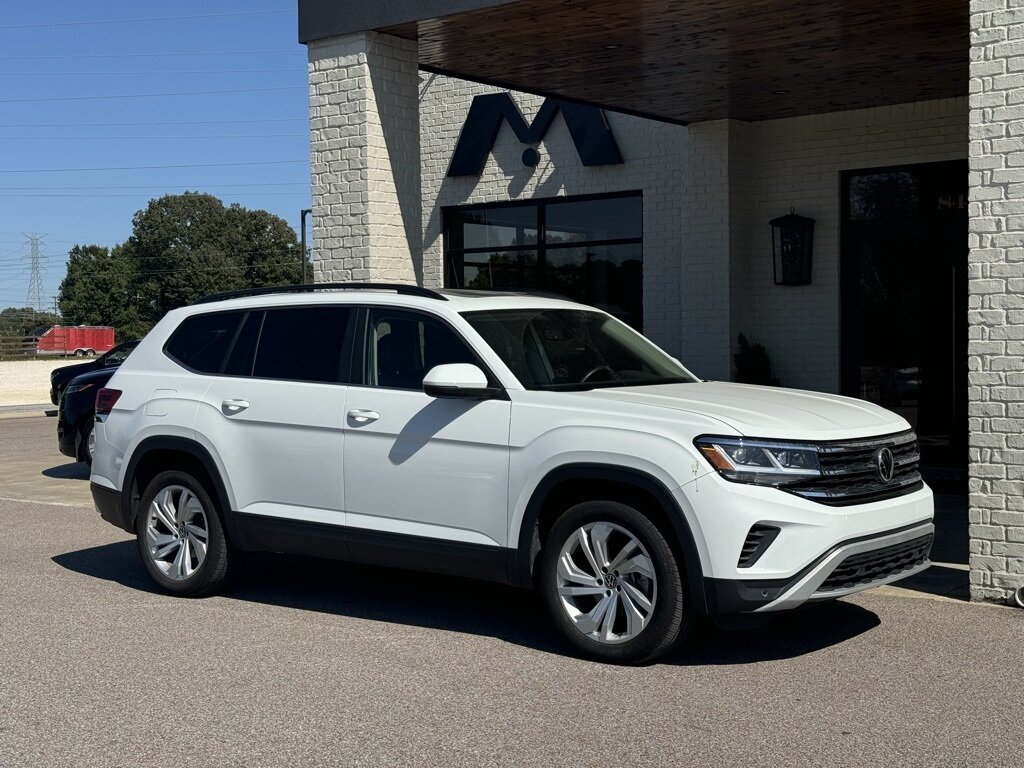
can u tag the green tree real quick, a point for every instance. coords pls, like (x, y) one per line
(98, 289)
(182, 247)
(189, 245)
(18, 322)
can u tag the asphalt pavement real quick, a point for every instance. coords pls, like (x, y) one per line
(306, 662)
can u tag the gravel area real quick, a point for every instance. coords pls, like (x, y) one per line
(27, 382)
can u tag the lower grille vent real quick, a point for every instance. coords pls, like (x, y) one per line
(878, 564)
(758, 540)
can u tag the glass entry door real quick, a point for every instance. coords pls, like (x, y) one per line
(904, 302)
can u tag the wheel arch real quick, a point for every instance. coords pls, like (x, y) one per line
(573, 483)
(160, 453)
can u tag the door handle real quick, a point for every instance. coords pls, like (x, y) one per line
(360, 416)
(231, 407)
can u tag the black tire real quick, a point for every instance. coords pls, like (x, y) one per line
(669, 622)
(213, 571)
(82, 442)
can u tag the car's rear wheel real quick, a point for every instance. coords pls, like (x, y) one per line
(612, 583)
(180, 536)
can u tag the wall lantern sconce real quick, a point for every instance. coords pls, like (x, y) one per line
(792, 243)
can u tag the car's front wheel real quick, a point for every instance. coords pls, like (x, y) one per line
(612, 583)
(180, 536)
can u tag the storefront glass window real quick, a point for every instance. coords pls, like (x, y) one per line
(588, 249)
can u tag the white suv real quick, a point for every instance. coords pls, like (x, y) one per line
(517, 438)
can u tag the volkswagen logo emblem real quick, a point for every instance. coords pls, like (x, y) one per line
(885, 464)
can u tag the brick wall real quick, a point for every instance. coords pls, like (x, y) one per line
(996, 314)
(653, 163)
(709, 191)
(365, 158)
(796, 163)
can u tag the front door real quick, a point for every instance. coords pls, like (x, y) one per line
(418, 466)
(904, 303)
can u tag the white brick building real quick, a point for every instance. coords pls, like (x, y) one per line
(916, 295)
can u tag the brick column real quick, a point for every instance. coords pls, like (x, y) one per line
(996, 315)
(365, 140)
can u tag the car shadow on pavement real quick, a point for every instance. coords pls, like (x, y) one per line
(74, 470)
(466, 605)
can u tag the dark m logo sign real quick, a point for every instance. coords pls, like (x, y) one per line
(587, 126)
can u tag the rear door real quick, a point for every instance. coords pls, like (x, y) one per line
(275, 414)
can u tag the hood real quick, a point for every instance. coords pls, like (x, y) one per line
(769, 412)
(68, 372)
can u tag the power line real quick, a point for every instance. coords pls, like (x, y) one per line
(150, 167)
(145, 194)
(148, 54)
(151, 187)
(152, 95)
(124, 137)
(157, 122)
(94, 22)
(142, 72)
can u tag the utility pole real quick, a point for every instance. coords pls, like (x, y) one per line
(35, 279)
(302, 224)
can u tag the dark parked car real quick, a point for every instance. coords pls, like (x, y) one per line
(60, 377)
(76, 414)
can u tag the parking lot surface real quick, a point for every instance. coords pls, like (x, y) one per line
(315, 663)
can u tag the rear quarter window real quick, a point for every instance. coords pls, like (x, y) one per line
(201, 342)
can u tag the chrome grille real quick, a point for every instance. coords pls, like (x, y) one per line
(849, 474)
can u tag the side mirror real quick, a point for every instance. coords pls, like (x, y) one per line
(458, 380)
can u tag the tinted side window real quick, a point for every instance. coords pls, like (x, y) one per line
(303, 344)
(403, 346)
(243, 352)
(202, 341)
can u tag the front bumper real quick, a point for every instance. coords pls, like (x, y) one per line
(66, 442)
(849, 567)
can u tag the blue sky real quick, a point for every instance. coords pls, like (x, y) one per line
(55, 58)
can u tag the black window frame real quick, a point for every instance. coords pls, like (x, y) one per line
(360, 353)
(346, 371)
(454, 258)
(242, 313)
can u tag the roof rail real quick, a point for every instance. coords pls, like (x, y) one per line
(403, 288)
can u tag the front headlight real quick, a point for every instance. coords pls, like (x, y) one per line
(78, 388)
(762, 462)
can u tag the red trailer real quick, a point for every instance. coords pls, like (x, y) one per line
(77, 340)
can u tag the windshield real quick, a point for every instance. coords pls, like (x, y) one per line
(574, 349)
(119, 354)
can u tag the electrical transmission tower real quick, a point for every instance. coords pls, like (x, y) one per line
(36, 298)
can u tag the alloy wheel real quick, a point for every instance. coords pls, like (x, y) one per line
(606, 582)
(177, 532)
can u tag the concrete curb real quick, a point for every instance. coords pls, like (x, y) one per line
(26, 411)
